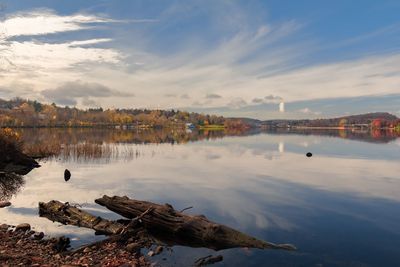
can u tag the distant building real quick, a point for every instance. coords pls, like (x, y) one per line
(282, 107)
(190, 126)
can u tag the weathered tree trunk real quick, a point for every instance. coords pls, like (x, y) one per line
(179, 228)
(66, 214)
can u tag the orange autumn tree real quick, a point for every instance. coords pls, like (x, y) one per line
(376, 124)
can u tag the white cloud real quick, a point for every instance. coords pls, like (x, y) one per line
(43, 22)
(89, 42)
(44, 64)
(360, 77)
(45, 56)
(40, 55)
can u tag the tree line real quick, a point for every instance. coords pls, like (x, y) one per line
(377, 120)
(26, 113)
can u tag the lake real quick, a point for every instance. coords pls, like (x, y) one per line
(340, 207)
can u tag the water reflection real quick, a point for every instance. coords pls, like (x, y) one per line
(105, 145)
(365, 135)
(47, 137)
(100, 136)
(340, 207)
(10, 184)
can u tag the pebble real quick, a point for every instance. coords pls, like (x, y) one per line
(133, 247)
(23, 227)
(38, 236)
(36, 259)
(158, 250)
(30, 232)
(86, 250)
(150, 253)
(4, 204)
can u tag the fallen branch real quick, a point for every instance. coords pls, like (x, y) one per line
(188, 208)
(134, 221)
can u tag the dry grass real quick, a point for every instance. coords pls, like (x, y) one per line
(10, 143)
(42, 150)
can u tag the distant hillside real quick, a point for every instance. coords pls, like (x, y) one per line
(247, 121)
(377, 120)
(368, 117)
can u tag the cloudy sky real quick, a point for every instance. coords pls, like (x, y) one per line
(235, 58)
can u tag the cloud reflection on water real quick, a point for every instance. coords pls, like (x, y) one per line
(232, 180)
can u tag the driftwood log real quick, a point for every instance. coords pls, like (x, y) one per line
(67, 214)
(178, 228)
(161, 221)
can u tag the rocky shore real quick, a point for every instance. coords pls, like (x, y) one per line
(20, 246)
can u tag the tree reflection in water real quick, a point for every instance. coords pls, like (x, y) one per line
(103, 145)
(10, 184)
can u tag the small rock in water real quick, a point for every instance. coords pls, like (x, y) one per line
(158, 250)
(150, 253)
(133, 247)
(4, 204)
(67, 175)
(309, 154)
(38, 236)
(23, 227)
(62, 244)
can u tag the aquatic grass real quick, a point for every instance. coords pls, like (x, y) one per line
(101, 153)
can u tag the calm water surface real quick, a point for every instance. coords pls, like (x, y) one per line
(340, 207)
